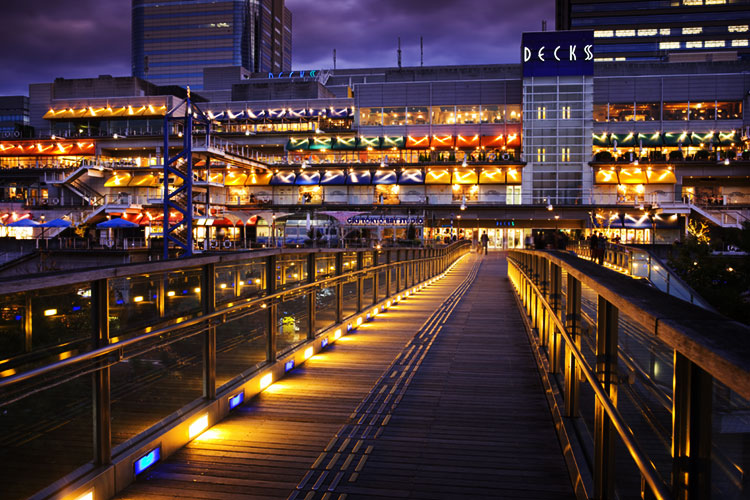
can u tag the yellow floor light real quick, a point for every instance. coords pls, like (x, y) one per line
(198, 426)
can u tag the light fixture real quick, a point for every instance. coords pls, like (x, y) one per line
(200, 425)
(266, 380)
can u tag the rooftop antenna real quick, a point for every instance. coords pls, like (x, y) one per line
(544, 25)
(334, 59)
(399, 52)
(421, 51)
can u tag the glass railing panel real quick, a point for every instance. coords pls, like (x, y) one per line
(730, 457)
(291, 271)
(151, 385)
(133, 303)
(382, 284)
(325, 308)
(241, 344)
(367, 291)
(45, 437)
(183, 293)
(350, 298)
(292, 320)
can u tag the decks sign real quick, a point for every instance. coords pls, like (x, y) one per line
(558, 53)
(384, 220)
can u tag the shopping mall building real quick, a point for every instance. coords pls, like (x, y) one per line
(555, 142)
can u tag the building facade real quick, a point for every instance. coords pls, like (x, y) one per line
(173, 41)
(637, 30)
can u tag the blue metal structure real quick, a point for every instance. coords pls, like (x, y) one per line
(181, 166)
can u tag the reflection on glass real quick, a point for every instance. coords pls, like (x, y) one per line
(133, 303)
(325, 308)
(350, 298)
(292, 321)
(241, 344)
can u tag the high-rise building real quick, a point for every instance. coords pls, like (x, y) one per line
(173, 40)
(677, 30)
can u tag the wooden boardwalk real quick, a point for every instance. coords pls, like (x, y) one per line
(438, 398)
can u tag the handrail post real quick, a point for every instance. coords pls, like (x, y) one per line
(388, 270)
(360, 280)
(208, 305)
(375, 277)
(607, 317)
(101, 387)
(573, 325)
(339, 288)
(398, 271)
(273, 327)
(312, 295)
(555, 289)
(691, 430)
(544, 333)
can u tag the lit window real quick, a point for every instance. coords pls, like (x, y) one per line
(540, 155)
(692, 31)
(665, 31)
(693, 45)
(669, 45)
(739, 43)
(565, 113)
(565, 154)
(692, 2)
(715, 43)
(716, 2)
(603, 33)
(649, 32)
(602, 59)
(541, 113)
(625, 32)
(738, 29)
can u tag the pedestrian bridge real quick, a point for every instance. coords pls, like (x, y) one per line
(395, 373)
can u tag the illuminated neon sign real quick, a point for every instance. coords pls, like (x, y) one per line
(294, 74)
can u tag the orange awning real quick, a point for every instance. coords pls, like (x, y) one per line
(465, 176)
(442, 141)
(418, 142)
(438, 176)
(467, 141)
(492, 175)
(493, 141)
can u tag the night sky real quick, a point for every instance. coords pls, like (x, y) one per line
(45, 39)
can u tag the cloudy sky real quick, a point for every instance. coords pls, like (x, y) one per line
(45, 39)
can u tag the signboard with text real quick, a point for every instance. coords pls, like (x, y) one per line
(384, 220)
(557, 53)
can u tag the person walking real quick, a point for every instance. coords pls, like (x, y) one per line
(593, 246)
(485, 242)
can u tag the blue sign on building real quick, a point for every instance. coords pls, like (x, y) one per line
(558, 53)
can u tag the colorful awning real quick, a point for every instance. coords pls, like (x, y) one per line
(513, 176)
(411, 176)
(297, 144)
(46, 148)
(361, 177)
(632, 175)
(422, 142)
(729, 138)
(513, 140)
(606, 177)
(442, 141)
(492, 176)
(156, 109)
(308, 179)
(465, 176)
(385, 177)
(467, 141)
(438, 176)
(217, 177)
(276, 114)
(121, 179)
(661, 176)
(368, 142)
(601, 140)
(345, 143)
(333, 177)
(235, 178)
(705, 139)
(260, 179)
(148, 180)
(283, 178)
(493, 141)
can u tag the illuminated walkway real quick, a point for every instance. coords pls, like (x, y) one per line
(438, 398)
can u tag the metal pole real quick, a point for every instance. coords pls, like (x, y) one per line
(101, 386)
(312, 295)
(208, 304)
(573, 326)
(273, 327)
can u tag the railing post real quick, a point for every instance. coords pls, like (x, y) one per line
(691, 430)
(398, 271)
(339, 287)
(543, 265)
(388, 290)
(555, 290)
(375, 277)
(606, 370)
(273, 327)
(208, 304)
(360, 280)
(101, 386)
(573, 326)
(313, 293)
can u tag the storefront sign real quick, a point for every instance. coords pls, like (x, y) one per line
(558, 53)
(383, 220)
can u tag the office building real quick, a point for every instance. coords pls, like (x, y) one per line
(14, 117)
(676, 30)
(173, 41)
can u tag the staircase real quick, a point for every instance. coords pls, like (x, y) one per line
(721, 217)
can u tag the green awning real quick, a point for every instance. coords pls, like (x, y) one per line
(368, 142)
(649, 140)
(320, 143)
(707, 138)
(601, 140)
(729, 138)
(622, 140)
(297, 144)
(392, 142)
(345, 143)
(676, 138)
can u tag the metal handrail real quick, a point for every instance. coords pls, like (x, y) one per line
(103, 351)
(641, 460)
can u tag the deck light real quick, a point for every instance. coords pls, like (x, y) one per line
(147, 460)
(266, 380)
(337, 334)
(89, 495)
(236, 400)
(324, 343)
(198, 426)
(170, 293)
(138, 298)
(289, 365)
(359, 321)
(50, 312)
(308, 352)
